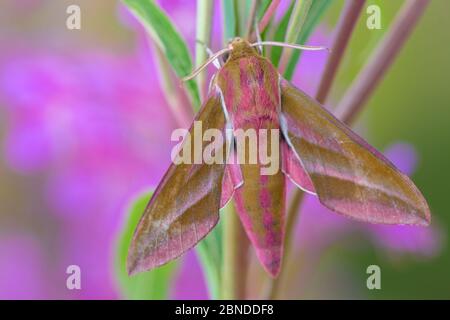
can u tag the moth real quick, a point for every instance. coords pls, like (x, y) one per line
(317, 152)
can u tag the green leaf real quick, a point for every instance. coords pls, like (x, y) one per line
(243, 12)
(153, 284)
(315, 13)
(279, 35)
(235, 16)
(262, 8)
(205, 12)
(230, 19)
(168, 39)
(261, 11)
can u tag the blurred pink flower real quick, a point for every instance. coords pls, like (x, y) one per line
(22, 273)
(190, 281)
(312, 63)
(97, 134)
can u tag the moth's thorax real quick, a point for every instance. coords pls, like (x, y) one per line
(250, 88)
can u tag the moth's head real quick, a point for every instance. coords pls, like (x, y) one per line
(239, 48)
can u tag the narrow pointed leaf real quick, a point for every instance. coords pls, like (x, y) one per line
(168, 39)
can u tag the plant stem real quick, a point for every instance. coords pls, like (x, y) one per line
(344, 30)
(298, 18)
(268, 15)
(380, 61)
(239, 12)
(270, 11)
(229, 20)
(204, 18)
(251, 18)
(235, 253)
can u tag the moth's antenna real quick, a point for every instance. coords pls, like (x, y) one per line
(288, 45)
(206, 63)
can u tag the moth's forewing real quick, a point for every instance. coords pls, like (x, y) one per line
(184, 207)
(349, 176)
(294, 170)
(232, 179)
